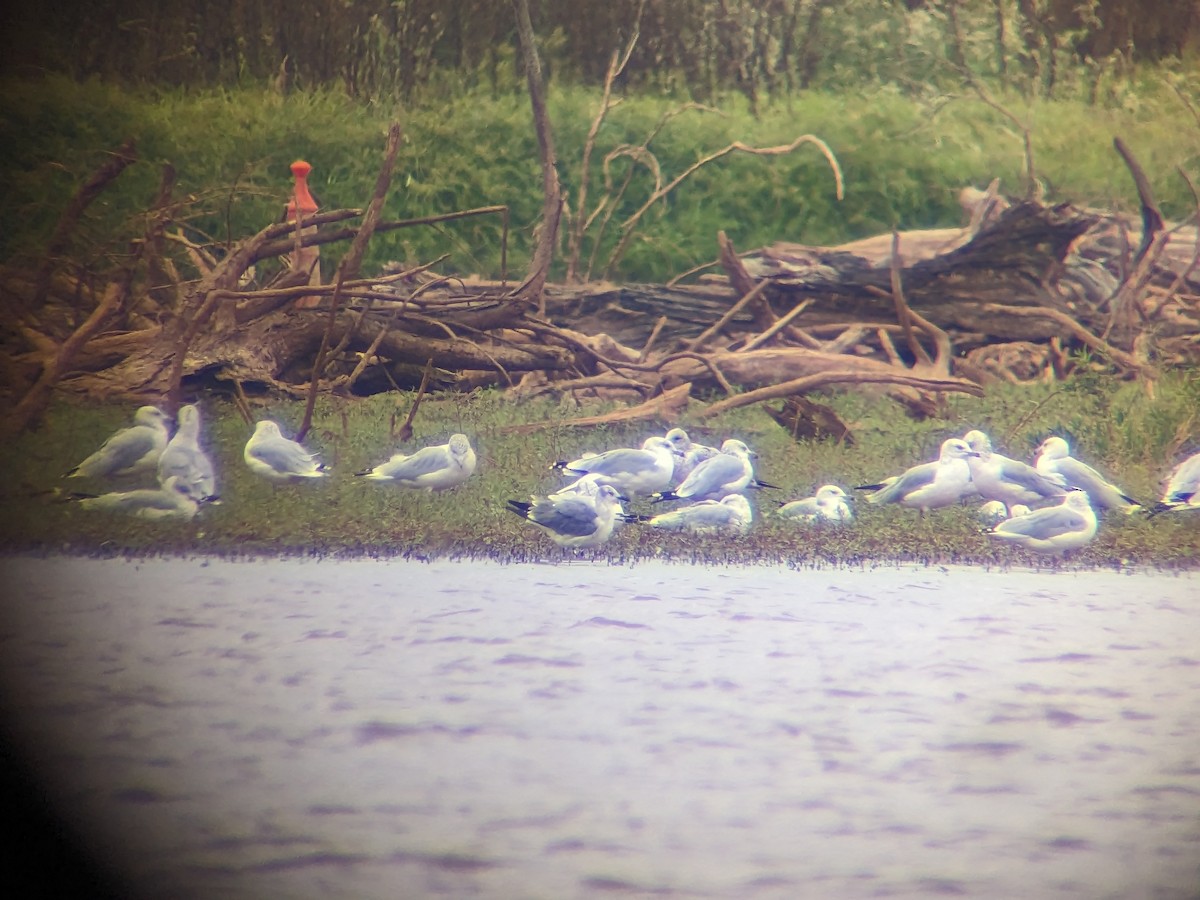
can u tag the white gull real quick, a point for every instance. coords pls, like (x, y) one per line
(270, 454)
(434, 468)
(828, 504)
(1052, 529)
(131, 450)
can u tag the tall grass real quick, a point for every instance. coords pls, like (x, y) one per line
(904, 158)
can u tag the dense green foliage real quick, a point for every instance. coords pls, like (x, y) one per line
(374, 49)
(1130, 436)
(904, 158)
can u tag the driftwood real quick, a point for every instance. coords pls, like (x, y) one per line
(922, 313)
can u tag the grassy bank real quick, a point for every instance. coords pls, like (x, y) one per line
(1117, 427)
(904, 157)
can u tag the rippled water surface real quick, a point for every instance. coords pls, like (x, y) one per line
(398, 729)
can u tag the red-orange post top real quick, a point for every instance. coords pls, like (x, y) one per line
(301, 198)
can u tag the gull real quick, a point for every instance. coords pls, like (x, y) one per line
(184, 459)
(630, 470)
(828, 504)
(992, 512)
(1052, 529)
(732, 513)
(434, 468)
(172, 500)
(688, 454)
(1183, 487)
(273, 456)
(997, 477)
(930, 486)
(574, 520)
(131, 450)
(729, 472)
(1054, 458)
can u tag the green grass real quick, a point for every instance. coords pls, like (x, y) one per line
(905, 158)
(1116, 426)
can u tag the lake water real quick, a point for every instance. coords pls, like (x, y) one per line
(399, 729)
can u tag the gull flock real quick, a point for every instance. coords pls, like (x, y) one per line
(1051, 506)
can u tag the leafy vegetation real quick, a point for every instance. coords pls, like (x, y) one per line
(905, 159)
(1125, 433)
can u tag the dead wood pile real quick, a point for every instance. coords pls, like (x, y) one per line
(1009, 295)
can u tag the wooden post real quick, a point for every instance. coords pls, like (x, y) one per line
(302, 206)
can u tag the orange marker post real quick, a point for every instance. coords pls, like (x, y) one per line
(300, 206)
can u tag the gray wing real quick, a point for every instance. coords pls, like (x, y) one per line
(904, 484)
(799, 509)
(705, 514)
(1184, 481)
(119, 452)
(571, 516)
(191, 466)
(282, 455)
(423, 462)
(710, 475)
(1082, 476)
(1043, 524)
(133, 501)
(1026, 476)
(616, 463)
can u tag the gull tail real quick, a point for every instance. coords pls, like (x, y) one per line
(520, 507)
(1159, 508)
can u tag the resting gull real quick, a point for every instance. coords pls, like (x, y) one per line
(688, 454)
(434, 468)
(630, 470)
(131, 450)
(576, 519)
(1052, 529)
(270, 454)
(1183, 487)
(998, 477)
(172, 500)
(184, 459)
(731, 513)
(931, 486)
(1054, 458)
(829, 504)
(729, 472)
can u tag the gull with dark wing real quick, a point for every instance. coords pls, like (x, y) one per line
(998, 477)
(270, 454)
(184, 459)
(731, 514)
(1182, 490)
(931, 486)
(574, 520)
(434, 468)
(131, 450)
(171, 501)
(630, 470)
(1054, 458)
(829, 504)
(1051, 529)
(729, 472)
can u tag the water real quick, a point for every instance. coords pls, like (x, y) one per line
(396, 729)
